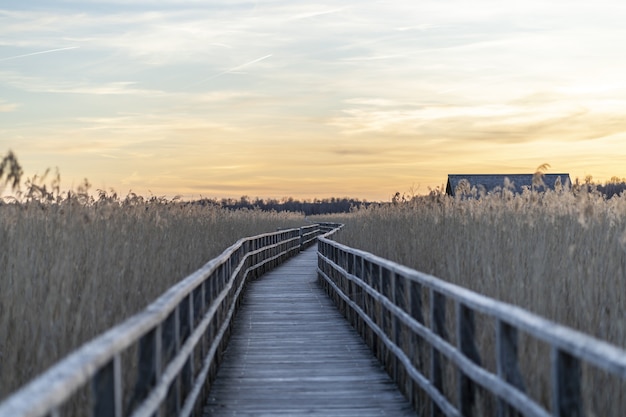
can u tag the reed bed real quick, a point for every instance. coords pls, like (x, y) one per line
(70, 270)
(560, 254)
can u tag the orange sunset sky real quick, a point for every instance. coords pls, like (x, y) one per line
(310, 99)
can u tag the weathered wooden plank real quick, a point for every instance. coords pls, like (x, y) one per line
(292, 353)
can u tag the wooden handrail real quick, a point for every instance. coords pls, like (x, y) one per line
(191, 318)
(382, 299)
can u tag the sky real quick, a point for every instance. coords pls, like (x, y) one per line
(277, 98)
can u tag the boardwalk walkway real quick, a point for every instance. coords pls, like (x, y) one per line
(292, 353)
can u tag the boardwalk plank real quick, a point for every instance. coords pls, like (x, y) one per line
(292, 353)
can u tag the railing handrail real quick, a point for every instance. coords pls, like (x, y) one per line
(602, 354)
(48, 391)
(569, 346)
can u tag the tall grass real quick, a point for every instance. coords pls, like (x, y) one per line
(560, 254)
(70, 269)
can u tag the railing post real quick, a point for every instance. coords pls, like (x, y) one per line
(107, 389)
(507, 365)
(416, 347)
(187, 327)
(437, 321)
(148, 366)
(171, 343)
(415, 301)
(369, 307)
(465, 334)
(357, 270)
(386, 321)
(396, 328)
(566, 386)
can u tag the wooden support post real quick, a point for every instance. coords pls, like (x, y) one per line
(107, 390)
(350, 263)
(415, 301)
(415, 306)
(387, 291)
(437, 321)
(395, 326)
(566, 385)
(465, 334)
(54, 413)
(197, 305)
(187, 315)
(378, 312)
(148, 367)
(385, 319)
(171, 344)
(172, 401)
(507, 364)
(184, 316)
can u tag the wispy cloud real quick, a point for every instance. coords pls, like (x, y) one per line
(230, 70)
(374, 57)
(7, 107)
(421, 28)
(309, 15)
(38, 53)
(524, 120)
(406, 87)
(52, 85)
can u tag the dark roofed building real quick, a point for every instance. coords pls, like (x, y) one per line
(493, 181)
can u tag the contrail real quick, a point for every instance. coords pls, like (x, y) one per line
(315, 14)
(39, 53)
(231, 70)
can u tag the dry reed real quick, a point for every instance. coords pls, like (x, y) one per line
(560, 254)
(71, 270)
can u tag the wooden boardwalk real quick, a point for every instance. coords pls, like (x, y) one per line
(292, 353)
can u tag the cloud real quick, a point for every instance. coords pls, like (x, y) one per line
(149, 37)
(231, 70)
(374, 58)
(308, 15)
(368, 90)
(420, 28)
(355, 151)
(7, 107)
(38, 53)
(52, 85)
(529, 119)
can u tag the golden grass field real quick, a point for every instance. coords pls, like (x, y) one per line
(561, 255)
(71, 271)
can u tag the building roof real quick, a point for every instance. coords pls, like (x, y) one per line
(492, 181)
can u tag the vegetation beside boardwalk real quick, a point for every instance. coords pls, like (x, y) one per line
(71, 269)
(72, 265)
(560, 254)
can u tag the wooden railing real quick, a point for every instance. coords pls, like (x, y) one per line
(401, 314)
(162, 361)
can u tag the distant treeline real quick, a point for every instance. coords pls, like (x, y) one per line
(612, 188)
(309, 208)
(345, 204)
